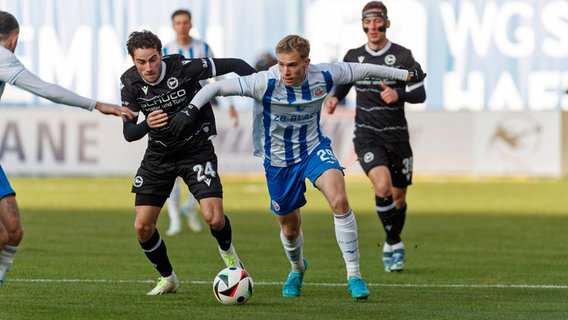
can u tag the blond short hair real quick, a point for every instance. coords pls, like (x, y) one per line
(294, 43)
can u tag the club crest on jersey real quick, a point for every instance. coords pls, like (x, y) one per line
(390, 59)
(138, 181)
(318, 92)
(275, 205)
(368, 157)
(173, 83)
(361, 59)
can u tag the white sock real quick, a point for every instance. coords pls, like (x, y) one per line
(173, 205)
(387, 248)
(346, 235)
(397, 246)
(293, 249)
(6, 259)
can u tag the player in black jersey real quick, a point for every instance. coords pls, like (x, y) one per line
(381, 131)
(160, 87)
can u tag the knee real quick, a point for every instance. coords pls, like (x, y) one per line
(339, 203)
(399, 202)
(16, 236)
(144, 231)
(399, 198)
(291, 232)
(11, 237)
(216, 221)
(383, 190)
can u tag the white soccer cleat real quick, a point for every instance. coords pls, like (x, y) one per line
(174, 229)
(165, 285)
(3, 273)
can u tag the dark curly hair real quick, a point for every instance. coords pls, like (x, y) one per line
(142, 40)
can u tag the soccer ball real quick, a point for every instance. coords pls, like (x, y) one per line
(232, 286)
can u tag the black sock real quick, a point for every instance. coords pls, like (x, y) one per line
(155, 250)
(400, 219)
(223, 236)
(388, 214)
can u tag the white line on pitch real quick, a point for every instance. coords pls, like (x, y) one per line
(402, 285)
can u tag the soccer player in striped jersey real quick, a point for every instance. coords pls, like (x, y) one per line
(191, 48)
(381, 131)
(13, 72)
(287, 133)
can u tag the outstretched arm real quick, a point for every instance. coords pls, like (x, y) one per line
(113, 109)
(228, 65)
(53, 92)
(184, 118)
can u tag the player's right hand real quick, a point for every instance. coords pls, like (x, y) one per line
(330, 104)
(157, 119)
(183, 120)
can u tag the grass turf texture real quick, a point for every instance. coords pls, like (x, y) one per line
(476, 249)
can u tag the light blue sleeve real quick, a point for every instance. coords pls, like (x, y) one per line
(31, 83)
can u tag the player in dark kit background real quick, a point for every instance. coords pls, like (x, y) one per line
(161, 87)
(381, 130)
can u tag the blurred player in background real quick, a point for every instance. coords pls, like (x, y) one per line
(381, 131)
(14, 73)
(287, 133)
(265, 61)
(191, 48)
(161, 87)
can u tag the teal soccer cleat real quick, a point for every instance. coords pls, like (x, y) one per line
(293, 285)
(358, 288)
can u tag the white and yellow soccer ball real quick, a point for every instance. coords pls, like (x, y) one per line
(233, 286)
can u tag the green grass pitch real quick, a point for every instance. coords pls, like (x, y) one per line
(476, 249)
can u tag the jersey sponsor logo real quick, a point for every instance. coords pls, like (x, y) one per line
(138, 181)
(318, 92)
(165, 100)
(368, 157)
(390, 59)
(299, 117)
(172, 83)
(361, 59)
(275, 205)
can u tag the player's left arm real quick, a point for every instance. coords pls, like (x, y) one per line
(413, 92)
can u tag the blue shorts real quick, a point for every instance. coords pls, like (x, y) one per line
(286, 185)
(5, 188)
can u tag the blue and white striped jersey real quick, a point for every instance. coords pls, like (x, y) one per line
(196, 49)
(287, 118)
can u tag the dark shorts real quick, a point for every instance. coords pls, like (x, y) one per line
(197, 167)
(397, 157)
